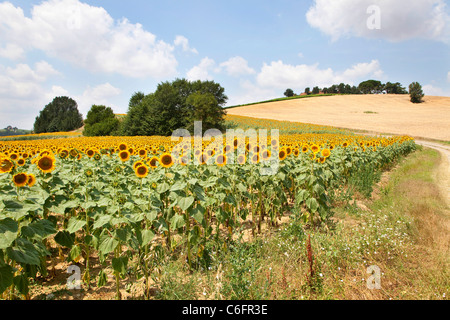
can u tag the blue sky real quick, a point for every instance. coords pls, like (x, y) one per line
(101, 52)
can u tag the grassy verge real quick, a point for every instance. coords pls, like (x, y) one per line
(401, 229)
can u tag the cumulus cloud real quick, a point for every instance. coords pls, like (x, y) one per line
(280, 75)
(398, 20)
(183, 42)
(237, 66)
(202, 70)
(23, 92)
(86, 36)
(99, 95)
(431, 90)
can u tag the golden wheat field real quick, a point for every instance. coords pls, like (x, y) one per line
(377, 113)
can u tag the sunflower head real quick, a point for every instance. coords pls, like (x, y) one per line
(221, 160)
(124, 155)
(20, 179)
(31, 180)
(166, 160)
(282, 154)
(46, 164)
(6, 165)
(141, 171)
(153, 162)
(241, 159)
(88, 173)
(326, 153)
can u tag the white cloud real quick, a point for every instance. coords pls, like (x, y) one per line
(23, 93)
(12, 51)
(88, 37)
(280, 75)
(183, 42)
(237, 66)
(399, 20)
(448, 76)
(201, 71)
(98, 95)
(431, 90)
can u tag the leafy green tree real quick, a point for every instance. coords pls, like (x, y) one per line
(369, 86)
(395, 88)
(289, 93)
(205, 109)
(168, 108)
(59, 115)
(100, 121)
(415, 92)
(315, 90)
(308, 90)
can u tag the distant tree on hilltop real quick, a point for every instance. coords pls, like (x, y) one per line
(289, 93)
(415, 92)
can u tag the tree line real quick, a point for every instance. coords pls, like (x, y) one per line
(174, 105)
(365, 87)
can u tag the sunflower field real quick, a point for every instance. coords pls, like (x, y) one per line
(125, 200)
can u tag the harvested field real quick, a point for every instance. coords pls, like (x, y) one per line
(374, 113)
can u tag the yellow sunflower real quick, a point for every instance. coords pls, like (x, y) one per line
(141, 171)
(166, 160)
(31, 180)
(124, 155)
(46, 164)
(20, 179)
(326, 153)
(282, 154)
(221, 160)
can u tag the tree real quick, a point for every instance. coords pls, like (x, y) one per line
(100, 121)
(59, 115)
(307, 90)
(415, 92)
(171, 107)
(369, 86)
(315, 90)
(289, 93)
(395, 88)
(341, 88)
(204, 108)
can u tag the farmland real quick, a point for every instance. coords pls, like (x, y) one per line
(120, 208)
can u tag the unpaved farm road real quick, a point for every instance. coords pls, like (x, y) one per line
(444, 169)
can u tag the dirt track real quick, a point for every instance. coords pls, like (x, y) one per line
(393, 114)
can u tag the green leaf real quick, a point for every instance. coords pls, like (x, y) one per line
(107, 245)
(185, 202)
(312, 204)
(75, 252)
(38, 230)
(6, 277)
(21, 283)
(162, 187)
(147, 237)
(177, 221)
(8, 232)
(100, 222)
(24, 252)
(75, 224)
(120, 265)
(102, 279)
(65, 239)
(198, 213)
(179, 185)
